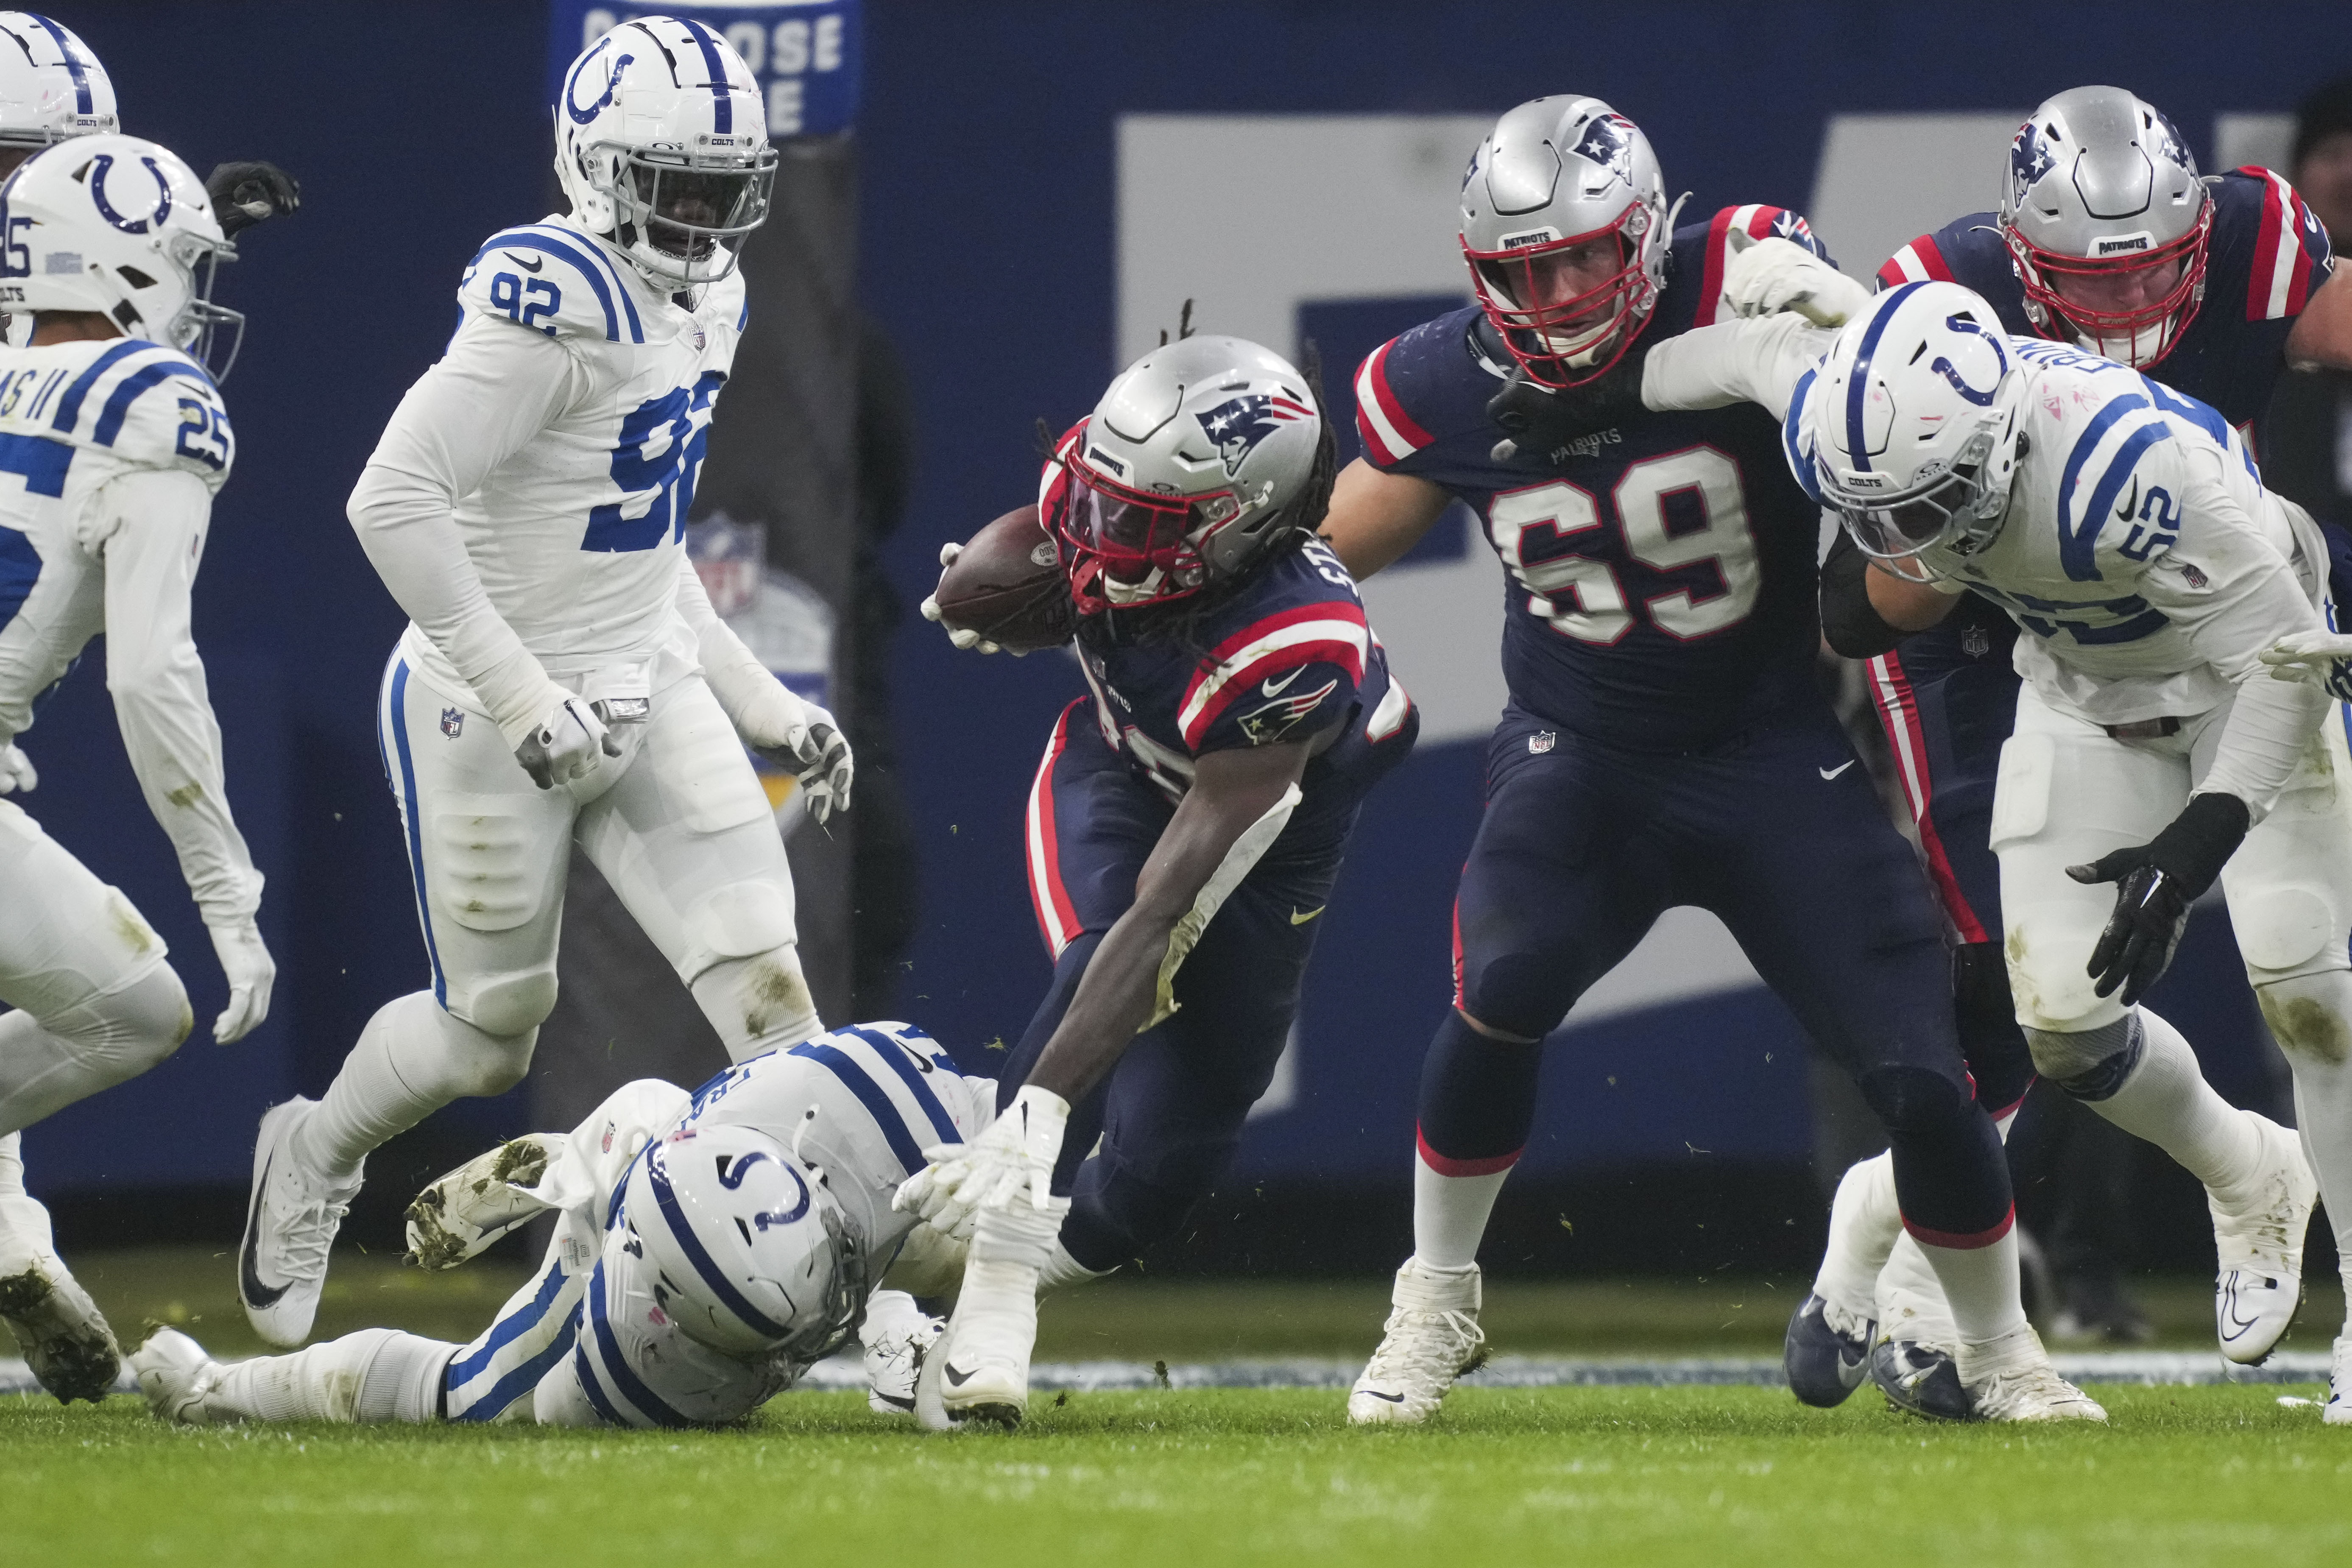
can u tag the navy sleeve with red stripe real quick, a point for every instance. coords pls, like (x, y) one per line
(1286, 674)
(2289, 257)
(1758, 220)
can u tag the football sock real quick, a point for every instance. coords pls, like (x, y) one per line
(12, 1165)
(1477, 1104)
(2312, 1018)
(412, 1059)
(1865, 1221)
(2164, 1099)
(1062, 1271)
(1980, 1285)
(47, 1064)
(374, 1375)
(758, 1004)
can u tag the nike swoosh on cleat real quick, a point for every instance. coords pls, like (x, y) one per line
(1833, 773)
(248, 1282)
(2232, 1325)
(529, 264)
(893, 1400)
(1298, 920)
(1391, 1398)
(955, 1378)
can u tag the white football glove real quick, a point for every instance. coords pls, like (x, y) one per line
(964, 638)
(2322, 658)
(16, 773)
(251, 972)
(797, 735)
(1014, 1156)
(566, 741)
(1768, 276)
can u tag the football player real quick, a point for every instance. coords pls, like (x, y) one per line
(708, 1250)
(113, 441)
(2106, 238)
(1184, 830)
(2150, 750)
(1664, 742)
(563, 677)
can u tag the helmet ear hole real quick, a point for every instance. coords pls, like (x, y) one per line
(136, 278)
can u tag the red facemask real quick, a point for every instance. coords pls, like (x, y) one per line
(2138, 336)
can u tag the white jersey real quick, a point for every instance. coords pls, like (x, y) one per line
(110, 453)
(561, 431)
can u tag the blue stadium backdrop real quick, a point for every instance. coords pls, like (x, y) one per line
(1043, 186)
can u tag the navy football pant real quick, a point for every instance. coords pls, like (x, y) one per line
(1169, 1113)
(1946, 733)
(1779, 833)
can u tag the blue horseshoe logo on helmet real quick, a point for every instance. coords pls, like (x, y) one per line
(104, 162)
(571, 98)
(732, 1178)
(1950, 372)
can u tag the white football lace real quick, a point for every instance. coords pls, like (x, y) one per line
(1430, 1346)
(304, 1239)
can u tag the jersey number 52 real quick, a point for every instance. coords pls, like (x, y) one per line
(1579, 596)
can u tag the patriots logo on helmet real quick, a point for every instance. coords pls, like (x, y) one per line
(2029, 157)
(2165, 143)
(1239, 424)
(1607, 141)
(1265, 725)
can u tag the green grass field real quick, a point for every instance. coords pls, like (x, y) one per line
(1664, 1476)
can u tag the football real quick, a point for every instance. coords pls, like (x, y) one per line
(1008, 587)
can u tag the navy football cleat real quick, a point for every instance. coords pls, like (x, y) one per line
(1826, 1353)
(1920, 1379)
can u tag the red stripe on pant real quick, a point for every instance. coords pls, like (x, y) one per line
(1898, 715)
(1446, 1167)
(1957, 1241)
(1057, 919)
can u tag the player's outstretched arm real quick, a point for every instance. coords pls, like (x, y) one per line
(1760, 360)
(1376, 517)
(149, 527)
(1866, 609)
(773, 720)
(495, 389)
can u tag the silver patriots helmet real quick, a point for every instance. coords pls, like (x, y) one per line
(2107, 222)
(1201, 457)
(1556, 176)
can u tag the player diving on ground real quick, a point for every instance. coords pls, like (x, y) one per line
(563, 679)
(708, 1248)
(1185, 828)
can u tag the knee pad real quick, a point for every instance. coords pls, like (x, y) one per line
(1912, 1099)
(2090, 1064)
(479, 1063)
(505, 1006)
(1516, 994)
(129, 1030)
(2281, 930)
(757, 1003)
(742, 919)
(491, 866)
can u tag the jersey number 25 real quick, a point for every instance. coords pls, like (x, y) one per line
(1580, 595)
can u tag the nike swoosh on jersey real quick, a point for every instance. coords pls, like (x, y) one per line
(1298, 920)
(1276, 687)
(532, 264)
(2124, 513)
(1833, 773)
(249, 1280)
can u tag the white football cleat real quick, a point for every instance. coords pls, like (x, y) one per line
(64, 1336)
(2338, 1411)
(1431, 1338)
(984, 1357)
(2259, 1240)
(177, 1378)
(2010, 1379)
(897, 1335)
(480, 1201)
(281, 1264)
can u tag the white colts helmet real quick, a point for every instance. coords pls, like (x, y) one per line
(749, 1246)
(121, 227)
(1908, 430)
(51, 86)
(1556, 175)
(661, 144)
(1202, 457)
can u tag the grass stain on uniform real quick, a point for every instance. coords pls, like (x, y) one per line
(2306, 1026)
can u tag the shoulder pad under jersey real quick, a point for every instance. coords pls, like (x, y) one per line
(2268, 251)
(146, 404)
(1708, 249)
(551, 279)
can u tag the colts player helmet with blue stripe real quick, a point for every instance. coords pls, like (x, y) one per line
(661, 146)
(51, 86)
(749, 1247)
(119, 226)
(1908, 428)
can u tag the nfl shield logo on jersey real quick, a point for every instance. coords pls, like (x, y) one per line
(1975, 642)
(1539, 743)
(453, 722)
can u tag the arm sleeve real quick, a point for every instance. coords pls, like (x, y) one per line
(734, 674)
(1850, 622)
(152, 524)
(1759, 361)
(2235, 595)
(497, 387)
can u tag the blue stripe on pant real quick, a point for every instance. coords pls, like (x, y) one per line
(530, 1336)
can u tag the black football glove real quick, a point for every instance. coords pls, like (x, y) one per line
(244, 194)
(2159, 880)
(1540, 420)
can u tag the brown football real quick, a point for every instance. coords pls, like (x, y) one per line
(1008, 587)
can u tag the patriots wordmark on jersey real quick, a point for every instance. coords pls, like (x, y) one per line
(1662, 570)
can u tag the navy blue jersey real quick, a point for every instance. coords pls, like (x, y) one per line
(2266, 256)
(1661, 591)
